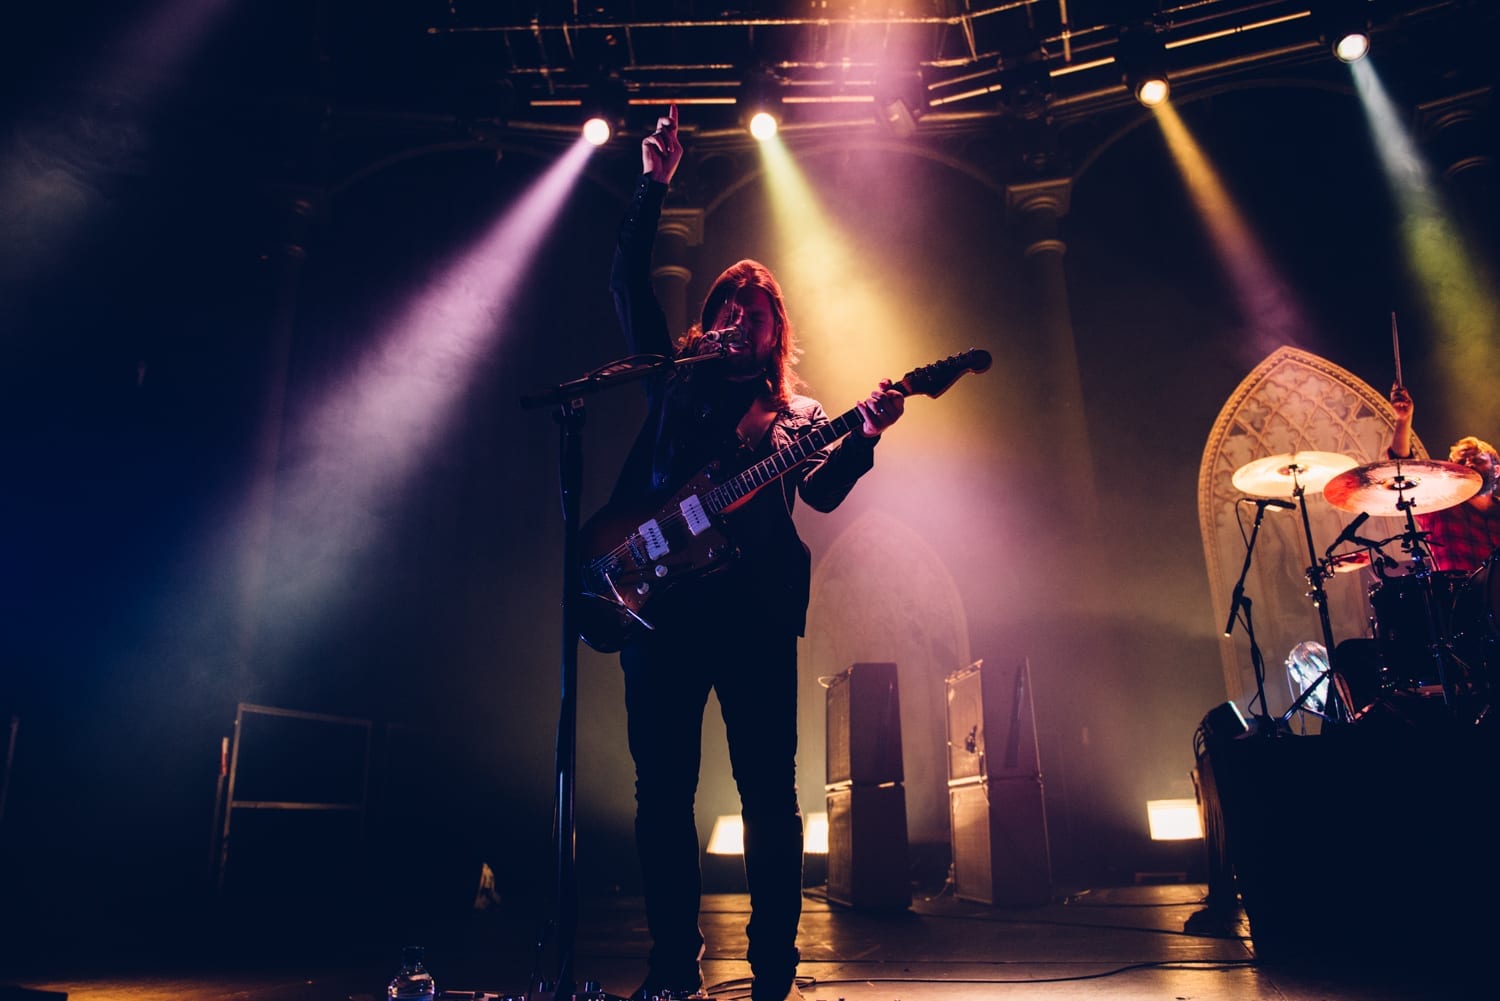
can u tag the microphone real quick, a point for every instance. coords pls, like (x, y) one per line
(1273, 502)
(732, 335)
(1350, 532)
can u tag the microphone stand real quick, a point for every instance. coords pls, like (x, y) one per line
(568, 399)
(1239, 601)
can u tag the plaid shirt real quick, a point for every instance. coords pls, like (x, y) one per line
(1462, 537)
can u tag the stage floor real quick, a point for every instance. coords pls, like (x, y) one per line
(1135, 942)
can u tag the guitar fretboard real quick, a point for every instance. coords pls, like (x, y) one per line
(778, 464)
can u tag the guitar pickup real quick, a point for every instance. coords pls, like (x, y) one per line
(656, 540)
(697, 518)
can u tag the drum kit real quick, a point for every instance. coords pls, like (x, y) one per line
(1436, 634)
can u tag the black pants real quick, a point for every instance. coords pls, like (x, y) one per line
(668, 675)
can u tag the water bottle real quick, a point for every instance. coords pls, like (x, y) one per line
(413, 982)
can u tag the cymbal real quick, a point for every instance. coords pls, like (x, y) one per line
(1349, 562)
(1280, 475)
(1429, 484)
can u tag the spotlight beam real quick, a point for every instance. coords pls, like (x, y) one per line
(366, 438)
(1460, 303)
(1265, 300)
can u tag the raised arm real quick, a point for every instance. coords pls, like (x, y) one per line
(1401, 403)
(641, 318)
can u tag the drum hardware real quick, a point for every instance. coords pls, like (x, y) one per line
(1310, 675)
(1396, 488)
(1289, 475)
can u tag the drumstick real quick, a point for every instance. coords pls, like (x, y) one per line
(1396, 347)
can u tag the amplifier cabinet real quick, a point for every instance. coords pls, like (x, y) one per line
(991, 723)
(1000, 851)
(864, 726)
(867, 848)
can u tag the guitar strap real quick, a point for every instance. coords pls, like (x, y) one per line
(756, 422)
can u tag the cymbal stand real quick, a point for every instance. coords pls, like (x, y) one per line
(1335, 704)
(1412, 544)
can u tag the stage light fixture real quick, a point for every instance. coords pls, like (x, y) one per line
(728, 835)
(1025, 82)
(1174, 819)
(1352, 47)
(604, 109)
(763, 125)
(1345, 28)
(1152, 89)
(900, 99)
(760, 103)
(597, 131)
(815, 838)
(1143, 64)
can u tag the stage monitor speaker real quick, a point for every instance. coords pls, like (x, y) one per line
(991, 723)
(867, 846)
(864, 726)
(1000, 851)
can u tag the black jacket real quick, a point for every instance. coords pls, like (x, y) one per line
(692, 421)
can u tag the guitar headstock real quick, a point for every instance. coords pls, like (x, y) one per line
(933, 380)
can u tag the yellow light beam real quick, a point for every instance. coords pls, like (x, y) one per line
(1460, 303)
(1267, 303)
(836, 299)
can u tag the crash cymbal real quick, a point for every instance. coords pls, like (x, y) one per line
(1279, 475)
(1350, 562)
(1377, 488)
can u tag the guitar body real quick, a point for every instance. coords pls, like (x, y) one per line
(630, 559)
(635, 558)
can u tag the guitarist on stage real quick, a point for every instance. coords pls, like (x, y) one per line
(733, 631)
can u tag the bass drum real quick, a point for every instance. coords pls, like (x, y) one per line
(1408, 625)
(1476, 621)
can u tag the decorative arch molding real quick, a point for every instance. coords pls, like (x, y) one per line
(860, 613)
(1293, 401)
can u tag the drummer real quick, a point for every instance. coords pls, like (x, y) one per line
(1462, 537)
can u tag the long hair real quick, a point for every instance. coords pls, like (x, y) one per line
(781, 376)
(1472, 444)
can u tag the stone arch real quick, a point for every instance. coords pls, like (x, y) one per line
(881, 593)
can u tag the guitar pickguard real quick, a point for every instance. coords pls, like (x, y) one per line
(680, 540)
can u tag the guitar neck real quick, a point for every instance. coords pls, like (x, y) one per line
(781, 462)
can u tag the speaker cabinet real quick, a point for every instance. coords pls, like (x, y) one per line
(864, 726)
(867, 847)
(991, 723)
(1000, 853)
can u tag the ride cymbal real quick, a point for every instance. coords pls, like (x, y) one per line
(1378, 488)
(1280, 475)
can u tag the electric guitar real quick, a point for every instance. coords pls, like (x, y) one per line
(629, 561)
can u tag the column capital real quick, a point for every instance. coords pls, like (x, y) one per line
(675, 272)
(684, 223)
(1053, 196)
